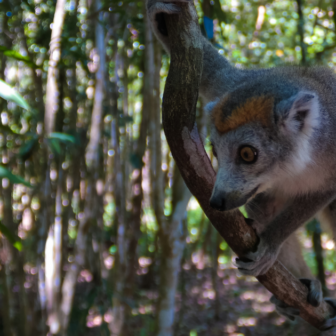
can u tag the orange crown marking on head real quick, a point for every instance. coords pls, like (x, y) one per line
(254, 109)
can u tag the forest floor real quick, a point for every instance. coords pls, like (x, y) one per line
(243, 310)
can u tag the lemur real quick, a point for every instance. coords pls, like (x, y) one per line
(273, 133)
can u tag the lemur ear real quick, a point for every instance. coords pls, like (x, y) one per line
(298, 113)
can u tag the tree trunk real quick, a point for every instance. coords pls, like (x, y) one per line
(92, 150)
(172, 243)
(54, 58)
(179, 104)
(91, 207)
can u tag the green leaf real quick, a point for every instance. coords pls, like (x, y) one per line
(16, 55)
(55, 146)
(4, 172)
(123, 120)
(243, 211)
(63, 137)
(12, 238)
(136, 161)
(27, 148)
(8, 93)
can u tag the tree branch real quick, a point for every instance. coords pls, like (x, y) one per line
(179, 104)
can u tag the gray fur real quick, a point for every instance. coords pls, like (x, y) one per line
(294, 175)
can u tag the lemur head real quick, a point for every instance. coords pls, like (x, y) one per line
(260, 132)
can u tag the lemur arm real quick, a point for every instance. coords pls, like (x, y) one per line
(300, 210)
(218, 75)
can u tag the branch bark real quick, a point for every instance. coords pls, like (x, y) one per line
(179, 105)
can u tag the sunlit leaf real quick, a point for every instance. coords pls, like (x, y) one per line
(16, 55)
(55, 146)
(8, 93)
(63, 137)
(27, 148)
(123, 120)
(12, 238)
(136, 161)
(5, 173)
(243, 211)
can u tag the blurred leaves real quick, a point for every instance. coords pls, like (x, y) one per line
(8, 93)
(17, 56)
(55, 146)
(5, 173)
(28, 147)
(12, 238)
(63, 137)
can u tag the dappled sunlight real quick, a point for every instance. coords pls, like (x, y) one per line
(246, 321)
(85, 276)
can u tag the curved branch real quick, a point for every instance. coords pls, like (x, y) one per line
(179, 105)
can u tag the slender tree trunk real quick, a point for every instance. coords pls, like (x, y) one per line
(92, 150)
(301, 32)
(318, 249)
(91, 206)
(54, 58)
(135, 220)
(172, 243)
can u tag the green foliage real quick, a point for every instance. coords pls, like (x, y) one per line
(5, 173)
(23, 149)
(17, 56)
(63, 137)
(55, 146)
(14, 240)
(27, 149)
(8, 93)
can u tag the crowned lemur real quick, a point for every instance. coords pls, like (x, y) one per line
(273, 132)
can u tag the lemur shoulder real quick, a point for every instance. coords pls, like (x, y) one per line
(273, 132)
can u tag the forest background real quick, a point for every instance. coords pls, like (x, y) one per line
(99, 235)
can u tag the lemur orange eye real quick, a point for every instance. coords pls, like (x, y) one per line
(248, 154)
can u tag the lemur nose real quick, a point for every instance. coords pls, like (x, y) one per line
(217, 202)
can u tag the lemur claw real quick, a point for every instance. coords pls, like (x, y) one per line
(315, 295)
(330, 324)
(259, 262)
(285, 310)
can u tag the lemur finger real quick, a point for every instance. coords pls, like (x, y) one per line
(283, 309)
(256, 271)
(330, 324)
(331, 332)
(288, 311)
(331, 302)
(315, 295)
(330, 328)
(247, 265)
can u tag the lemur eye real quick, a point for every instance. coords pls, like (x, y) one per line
(248, 154)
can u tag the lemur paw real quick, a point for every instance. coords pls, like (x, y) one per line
(330, 324)
(314, 297)
(283, 309)
(259, 262)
